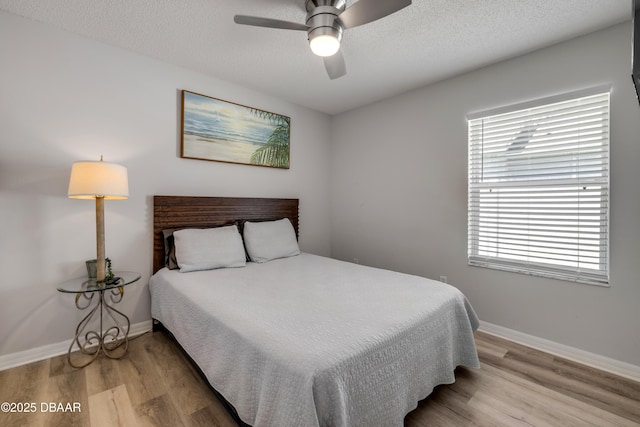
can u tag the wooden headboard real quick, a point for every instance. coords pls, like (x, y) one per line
(202, 212)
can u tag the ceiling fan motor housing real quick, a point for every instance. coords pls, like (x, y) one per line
(325, 22)
(322, 18)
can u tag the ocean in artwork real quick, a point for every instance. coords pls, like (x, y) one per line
(217, 130)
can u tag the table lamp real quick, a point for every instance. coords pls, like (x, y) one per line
(101, 181)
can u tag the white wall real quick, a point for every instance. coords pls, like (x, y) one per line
(399, 193)
(65, 98)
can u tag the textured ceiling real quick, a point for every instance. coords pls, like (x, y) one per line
(423, 43)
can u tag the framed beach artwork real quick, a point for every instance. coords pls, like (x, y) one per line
(222, 131)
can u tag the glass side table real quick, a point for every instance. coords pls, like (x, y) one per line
(114, 341)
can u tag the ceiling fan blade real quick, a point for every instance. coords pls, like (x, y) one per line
(335, 65)
(268, 22)
(365, 11)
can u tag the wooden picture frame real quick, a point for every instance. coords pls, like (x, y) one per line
(223, 131)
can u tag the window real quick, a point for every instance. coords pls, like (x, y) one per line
(539, 188)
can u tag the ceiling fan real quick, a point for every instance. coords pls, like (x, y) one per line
(325, 22)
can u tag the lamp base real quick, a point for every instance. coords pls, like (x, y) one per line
(100, 265)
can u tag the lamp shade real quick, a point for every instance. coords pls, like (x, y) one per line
(90, 180)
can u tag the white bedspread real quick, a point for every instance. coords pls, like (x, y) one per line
(311, 341)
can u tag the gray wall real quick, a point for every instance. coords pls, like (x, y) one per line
(399, 193)
(65, 98)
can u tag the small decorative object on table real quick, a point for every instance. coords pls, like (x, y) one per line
(92, 268)
(113, 341)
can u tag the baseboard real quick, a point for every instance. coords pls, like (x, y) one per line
(56, 349)
(597, 361)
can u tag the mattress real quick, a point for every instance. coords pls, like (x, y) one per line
(312, 341)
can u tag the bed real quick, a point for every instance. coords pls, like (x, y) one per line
(304, 340)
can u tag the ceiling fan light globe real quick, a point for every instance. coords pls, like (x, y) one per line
(324, 45)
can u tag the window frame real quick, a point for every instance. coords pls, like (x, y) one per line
(554, 270)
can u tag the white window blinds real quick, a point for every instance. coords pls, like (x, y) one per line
(539, 190)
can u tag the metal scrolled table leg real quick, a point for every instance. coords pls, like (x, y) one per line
(114, 331)
(94, 341)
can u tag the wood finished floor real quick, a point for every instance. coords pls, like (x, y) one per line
(154, 385)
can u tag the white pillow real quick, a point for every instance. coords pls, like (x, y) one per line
(209, 248)
(270, 240)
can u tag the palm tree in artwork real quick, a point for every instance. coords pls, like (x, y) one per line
(276, 151)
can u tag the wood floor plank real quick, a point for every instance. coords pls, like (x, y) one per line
(502, 413)
(65, 393)
(487, 347)
(112, 408)
(212, 415)
(103, 376)
(24, 384)
(185, 385)
(59, 366)
(135, 370)
(442, 411)
(144, 380)
(159, 411)
(609, 382)
(561, 408)
(539, 372)
(458, 404)
(467, 382)
(515, 405)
